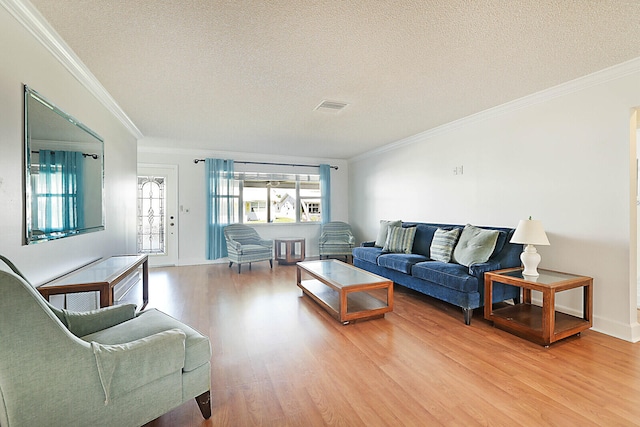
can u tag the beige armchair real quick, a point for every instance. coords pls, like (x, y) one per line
(103, 367)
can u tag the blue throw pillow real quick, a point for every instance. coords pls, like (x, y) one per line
(443, 243)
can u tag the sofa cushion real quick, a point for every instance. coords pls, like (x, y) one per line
(502, 239)
(423, 238)
(453, 276)
(400, 240)
(384, 231)
(252, 249)
(400, 262)
(443, 243)
(369, 254)
(475, 245)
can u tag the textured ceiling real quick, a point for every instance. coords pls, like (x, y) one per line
(245, 76)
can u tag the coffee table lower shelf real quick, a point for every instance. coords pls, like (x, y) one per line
(359, 305)
(525, 320)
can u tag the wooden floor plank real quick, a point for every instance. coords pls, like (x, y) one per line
(280, 360)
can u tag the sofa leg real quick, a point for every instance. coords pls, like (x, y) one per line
(230, 264)
(239, 267)
(468, 313)
(204, 403)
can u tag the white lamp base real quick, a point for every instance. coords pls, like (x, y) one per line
(530, 259)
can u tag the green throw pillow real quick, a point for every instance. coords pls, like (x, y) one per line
(400, 240)
(475, 245)
(383, 232)
(443, 243)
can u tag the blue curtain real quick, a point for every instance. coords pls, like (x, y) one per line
(221, 204)
(325, 189)
(60, 195)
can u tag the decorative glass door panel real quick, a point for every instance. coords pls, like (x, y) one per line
(151, 215)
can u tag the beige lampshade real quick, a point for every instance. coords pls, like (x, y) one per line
(530, 232)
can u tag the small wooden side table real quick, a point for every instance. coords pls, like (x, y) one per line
(540, 324)
(289, 250)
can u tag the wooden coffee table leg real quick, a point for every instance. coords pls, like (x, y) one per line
(343, 307)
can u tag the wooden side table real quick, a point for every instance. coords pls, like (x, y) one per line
(541, 324)
(289, 250)
(101, 276)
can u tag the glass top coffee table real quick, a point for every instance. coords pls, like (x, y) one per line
(346, 292)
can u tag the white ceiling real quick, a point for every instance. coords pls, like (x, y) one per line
(246, 75)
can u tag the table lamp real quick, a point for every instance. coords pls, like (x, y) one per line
(530, 232)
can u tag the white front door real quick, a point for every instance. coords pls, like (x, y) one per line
(157, 222)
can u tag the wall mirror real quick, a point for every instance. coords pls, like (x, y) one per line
(64, 168)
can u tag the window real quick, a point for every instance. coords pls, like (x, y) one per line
(310, 201)
(279, 198)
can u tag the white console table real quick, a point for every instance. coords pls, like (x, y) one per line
(101, 276)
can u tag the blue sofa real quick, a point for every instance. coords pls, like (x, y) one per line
(451, 282)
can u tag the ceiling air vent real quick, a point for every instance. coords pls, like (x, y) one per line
(331, 106)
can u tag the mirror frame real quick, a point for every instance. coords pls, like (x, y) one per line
(30, 236)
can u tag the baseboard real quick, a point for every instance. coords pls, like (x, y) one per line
(617, 329)
(183, 262)
(603, 325)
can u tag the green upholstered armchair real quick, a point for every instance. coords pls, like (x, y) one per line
(245, 245)
(336, 239)
(103, 367)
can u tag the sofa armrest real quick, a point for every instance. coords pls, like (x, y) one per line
(478, 270)
(233, 245)
(125, 367)
(266, 242)
(88, 322)
(368, 244)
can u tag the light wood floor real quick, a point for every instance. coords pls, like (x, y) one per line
(279, 360)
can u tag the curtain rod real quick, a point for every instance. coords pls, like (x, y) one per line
(196, 161)
(93, 156)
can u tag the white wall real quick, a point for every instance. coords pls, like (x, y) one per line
(26, 61)
(562, 156)
(191, 195)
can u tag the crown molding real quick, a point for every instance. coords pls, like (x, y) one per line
(200, 153)
(599, 77)
(27, 15)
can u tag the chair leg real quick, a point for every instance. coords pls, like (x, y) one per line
(204, 403)
(230, 264)
(239, 267)
(271, 263)
(249, 266)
